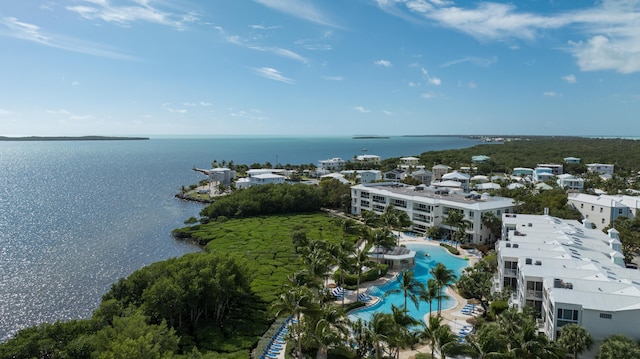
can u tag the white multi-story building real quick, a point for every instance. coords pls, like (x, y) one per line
(573, 160)
(222, 176)
(332, 164)
(556, 169)
(570, 273)
(542, 174)
(439, 171)
(600, 168)
(428, 207)
(257, 177)
(372, 159)
(570, 182)
(604, 209)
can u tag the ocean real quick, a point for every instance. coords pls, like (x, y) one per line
(75, 216)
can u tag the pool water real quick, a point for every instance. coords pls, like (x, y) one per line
(421, 273)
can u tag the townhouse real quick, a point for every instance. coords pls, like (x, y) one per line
(569, 273)
(604, 209)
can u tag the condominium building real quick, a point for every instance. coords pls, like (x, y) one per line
(570, 273)
(570, 182)
(600, 168)
(556, 169)
(332, 164)
(604, 209)
(427, 207)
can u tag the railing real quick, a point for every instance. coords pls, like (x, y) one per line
(534, 294)
(511, 272)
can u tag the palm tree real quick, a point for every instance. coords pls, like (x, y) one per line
(369, 218)
(430, 293)
(444, 277)
(342, 255)
(618, 346)
(575, 338)
(382, 238)
(402, 323)
(494, 224)
(381, 329)
(409, 287)
(361, 339)
(361, 259)
(488, 342)
(455, 219)
(440, 338)
(331, 328)
(294, 301)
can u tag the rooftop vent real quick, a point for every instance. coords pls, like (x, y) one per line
(527, 261)
(515, 245)
(538, 263)
(508, 245)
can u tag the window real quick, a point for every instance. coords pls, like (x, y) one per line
(592, 208)
(603, 220)
(619, 210)
(605, 316)
(581, 205)
(498, 213)
(567, 315)
(600, 209)
(471, 213)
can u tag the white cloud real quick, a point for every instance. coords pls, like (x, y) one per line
(80, 117)
(430, 79)
(75, 83)
(550, 94)
(435, 81)
(239, 41)
(361, 109)
(477, 61)
(60, 111)
(610, 27)
(177, 110)
(386, 112)
(332, 78)
(4, 112)
(383, 63)
(302, 9)
(472, 85)
(600, 53)
(12, 27)
(126, 15)
(430, 95)
(569, 78)
(205, 104)
(412, 84)
(272, 74)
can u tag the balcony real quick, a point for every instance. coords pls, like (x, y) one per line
(537, 294)
(510, 272)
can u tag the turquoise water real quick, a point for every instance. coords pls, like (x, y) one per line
(421, 270)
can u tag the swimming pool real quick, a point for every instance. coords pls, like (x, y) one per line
(421, 270)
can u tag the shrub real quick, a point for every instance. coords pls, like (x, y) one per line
(452, 250)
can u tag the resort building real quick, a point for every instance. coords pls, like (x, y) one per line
(395, 175)
(336, 176)
(570, 182)
(333, 164)
(223, 176)
(410, 164)
(569, 273)
(425, 177)
(600, 168)
(257, 177)
(572, 160)
(372, 159)
(365, 176)
(461, 178)
(522, 171)
(604, 209)
(439, 171)
(428, 207)
(542, 174)
(556, 169)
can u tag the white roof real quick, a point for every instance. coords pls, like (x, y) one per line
(455, 176)
(268, 175)
(486, 186)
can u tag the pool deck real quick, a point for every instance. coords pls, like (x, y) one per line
(451, 316)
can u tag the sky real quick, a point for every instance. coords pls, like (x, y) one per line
(319, 67)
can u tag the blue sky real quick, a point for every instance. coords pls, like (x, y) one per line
(319, 67)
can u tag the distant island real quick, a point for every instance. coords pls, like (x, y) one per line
(370, 137)
(70, 138)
